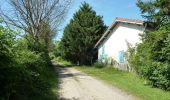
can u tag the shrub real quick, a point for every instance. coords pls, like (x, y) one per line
(99, 64)
(24, 74)
(158, 75)
(151, 59)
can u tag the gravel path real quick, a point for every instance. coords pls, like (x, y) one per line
(76, 85)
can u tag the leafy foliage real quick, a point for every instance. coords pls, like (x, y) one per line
(81, 34)
(24, 73)
(56, 50)
(43, 44)
(152, 57)
(6, 42)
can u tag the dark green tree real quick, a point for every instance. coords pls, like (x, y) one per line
(81, 34)
(155, 11)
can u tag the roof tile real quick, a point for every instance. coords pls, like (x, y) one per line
(128, 20)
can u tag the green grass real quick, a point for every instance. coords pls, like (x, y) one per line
(60, 60)
(53, 81)
(128, 82)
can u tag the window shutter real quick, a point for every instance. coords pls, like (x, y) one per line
(121, 57)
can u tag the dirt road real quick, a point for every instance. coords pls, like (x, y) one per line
(76, 85)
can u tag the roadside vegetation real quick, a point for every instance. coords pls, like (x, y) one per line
(26, 40)
(60, 60)
(151, 58)
(25, 74)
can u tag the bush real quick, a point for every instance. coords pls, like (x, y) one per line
(25, 75)
(29, 73)
(158, 75)
(151, 59)
(99, 64)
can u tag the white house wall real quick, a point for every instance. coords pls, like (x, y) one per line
(117, 40)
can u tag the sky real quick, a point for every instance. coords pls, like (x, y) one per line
(109, 9)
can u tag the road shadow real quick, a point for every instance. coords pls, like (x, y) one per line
(65, 73)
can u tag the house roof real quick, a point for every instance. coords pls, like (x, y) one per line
(116, 21)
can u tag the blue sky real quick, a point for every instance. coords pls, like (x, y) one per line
(109, 9)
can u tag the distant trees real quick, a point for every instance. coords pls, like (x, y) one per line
(81, 34)
(152, 57)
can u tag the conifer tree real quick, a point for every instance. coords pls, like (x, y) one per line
(81, 34)
(155, 11)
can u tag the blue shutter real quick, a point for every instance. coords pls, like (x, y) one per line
(103, 52)
(121, 57)
(103, 49)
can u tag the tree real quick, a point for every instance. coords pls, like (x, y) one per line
(24, 64)
(38, 18)
(6, 43)
(29, 14)
(155, 11)
(81, 34)
(56, 50)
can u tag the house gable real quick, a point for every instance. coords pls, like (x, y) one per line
(115, 42)
(117, 21)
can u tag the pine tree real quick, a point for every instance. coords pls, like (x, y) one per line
(81, 34)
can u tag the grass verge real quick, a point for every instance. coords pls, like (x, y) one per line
(128, 82)
(51, 82)
(52, 79)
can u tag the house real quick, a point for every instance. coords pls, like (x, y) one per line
(113, 44)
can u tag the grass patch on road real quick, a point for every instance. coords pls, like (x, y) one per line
(128, 82)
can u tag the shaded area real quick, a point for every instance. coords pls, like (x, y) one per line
(66, 75)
